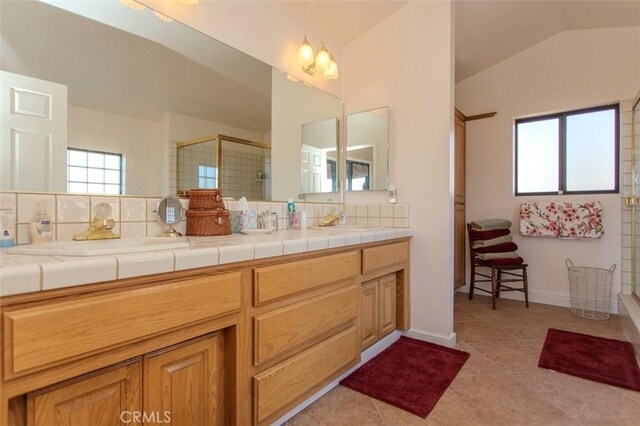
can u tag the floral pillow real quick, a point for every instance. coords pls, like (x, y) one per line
(581, 220)
(539, 219)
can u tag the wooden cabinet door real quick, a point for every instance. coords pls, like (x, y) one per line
(386, 305)
(460, 232)
(369, 314)
(460, 153)
(111, 397)
(184, 382)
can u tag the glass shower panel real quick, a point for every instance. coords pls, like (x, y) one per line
(635, 208)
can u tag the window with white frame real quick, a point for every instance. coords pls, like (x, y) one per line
(94, 172)
(573, 152)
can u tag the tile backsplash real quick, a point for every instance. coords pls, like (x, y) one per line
(135, 216)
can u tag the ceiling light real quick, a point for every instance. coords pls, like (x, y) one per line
(165, 18)
(132, 4)
(188, 2)
(322, 61)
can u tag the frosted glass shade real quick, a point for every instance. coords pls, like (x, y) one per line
(332, 72)
(305, 54)
(323, 59)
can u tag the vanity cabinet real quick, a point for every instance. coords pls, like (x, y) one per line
(98, 399)
(233, 344)
(377, 309)
(185, 383)
(179, 385)
(305, 329)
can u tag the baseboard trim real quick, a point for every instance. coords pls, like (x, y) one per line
(544, 297)
(449, 340)
(369, 353)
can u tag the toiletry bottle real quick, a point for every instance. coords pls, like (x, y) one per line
(303, 220)
(41, 227)
(7, 227)
(292, 215)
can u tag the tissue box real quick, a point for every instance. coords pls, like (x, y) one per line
(243, 219)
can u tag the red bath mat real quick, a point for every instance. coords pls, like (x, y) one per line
(410, 374)
(595, 358)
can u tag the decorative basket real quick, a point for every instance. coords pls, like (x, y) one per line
(208, 222)
(205, 199)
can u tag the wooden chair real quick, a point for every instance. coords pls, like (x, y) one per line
(514, 273)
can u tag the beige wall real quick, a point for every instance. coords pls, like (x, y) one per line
(137, 140)
(405, 62)
(573, 69)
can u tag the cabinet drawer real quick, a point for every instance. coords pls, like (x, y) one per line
(382, 256)
(274, 282)
(280, 330)
(277, 388)
(38, 336)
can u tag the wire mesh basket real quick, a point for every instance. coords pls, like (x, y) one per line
(590, 290)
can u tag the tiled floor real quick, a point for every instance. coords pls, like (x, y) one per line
(501, 383)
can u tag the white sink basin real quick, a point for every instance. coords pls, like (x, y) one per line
(101, 247)
(348, 228)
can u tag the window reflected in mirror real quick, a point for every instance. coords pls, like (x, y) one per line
(367, 162)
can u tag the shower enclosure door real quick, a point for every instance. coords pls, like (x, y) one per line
(633, 201)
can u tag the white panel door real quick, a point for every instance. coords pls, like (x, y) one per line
(314, 169)
(33, 134)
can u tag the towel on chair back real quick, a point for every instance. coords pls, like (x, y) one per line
(490, 224)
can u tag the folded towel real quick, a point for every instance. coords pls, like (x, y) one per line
(487, 235)
(492, 242)
(498, 248)
(491, 224)
(505, 255)
(497, 262)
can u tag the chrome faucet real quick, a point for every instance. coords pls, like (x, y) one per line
(101, 227)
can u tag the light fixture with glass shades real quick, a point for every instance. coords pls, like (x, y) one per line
(322, 62)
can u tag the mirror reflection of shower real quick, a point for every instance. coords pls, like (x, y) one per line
(241, 168)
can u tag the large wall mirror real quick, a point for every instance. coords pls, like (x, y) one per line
(96, 97)
(367, 162)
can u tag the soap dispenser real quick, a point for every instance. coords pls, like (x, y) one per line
(41, 226)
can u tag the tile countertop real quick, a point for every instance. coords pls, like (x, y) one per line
(29, 273)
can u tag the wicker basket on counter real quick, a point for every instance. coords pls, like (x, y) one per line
(205, 199)
(201, 223)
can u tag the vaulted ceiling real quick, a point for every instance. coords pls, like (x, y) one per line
(486, 31)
